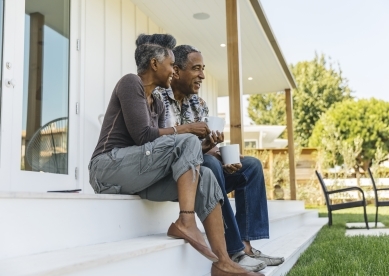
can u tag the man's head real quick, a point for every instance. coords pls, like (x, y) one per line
(188, 68)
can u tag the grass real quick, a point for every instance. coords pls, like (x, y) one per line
(334, 254)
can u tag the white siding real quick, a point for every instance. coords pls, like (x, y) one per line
(141, 22)
(128, 37)
(113, 47)
(110, 29)
(208, 92)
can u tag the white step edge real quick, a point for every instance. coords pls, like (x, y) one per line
(80, 259)
(63, 262)
(291, 205)
(32, 195)
(85, 219)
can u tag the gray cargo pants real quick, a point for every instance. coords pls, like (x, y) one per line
(151, 171)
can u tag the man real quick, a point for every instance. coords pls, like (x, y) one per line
(184, 106)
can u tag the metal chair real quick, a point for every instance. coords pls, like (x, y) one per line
(47, 150)
(378, 202)
(333, 207)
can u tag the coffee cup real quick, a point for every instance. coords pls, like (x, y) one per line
(214, 123)
(230, 154)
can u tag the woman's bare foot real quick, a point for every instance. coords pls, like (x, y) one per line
(186, 228)
(187, 224)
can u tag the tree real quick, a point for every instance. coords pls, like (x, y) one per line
(267, 109)
(366, 119)
(319, 86)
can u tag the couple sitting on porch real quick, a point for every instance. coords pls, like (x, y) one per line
(149, 145)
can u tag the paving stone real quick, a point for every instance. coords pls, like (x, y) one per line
(365, 232)
(353, 225)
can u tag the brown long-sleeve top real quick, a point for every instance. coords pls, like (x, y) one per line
(128, 120)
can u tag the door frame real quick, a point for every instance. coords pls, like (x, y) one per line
(36, 181)
(7, 97)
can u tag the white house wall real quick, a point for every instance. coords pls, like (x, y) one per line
(109, 29)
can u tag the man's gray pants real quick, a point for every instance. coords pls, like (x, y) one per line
(152, 170)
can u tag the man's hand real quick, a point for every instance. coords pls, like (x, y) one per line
(215, 153)
(199, 129)
(228, 168)
(212, 140)
(231, 168)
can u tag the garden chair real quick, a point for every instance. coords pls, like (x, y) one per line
(378, 202)
(333, 207)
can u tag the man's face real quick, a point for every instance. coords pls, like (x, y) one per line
(189, 79)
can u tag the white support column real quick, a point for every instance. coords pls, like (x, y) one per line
(289, 126)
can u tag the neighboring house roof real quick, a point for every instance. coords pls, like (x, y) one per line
(267, 133)
(261, 55)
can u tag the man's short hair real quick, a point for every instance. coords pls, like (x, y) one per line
(152, 46)
(181, 55)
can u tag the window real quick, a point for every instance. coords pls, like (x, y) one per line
(44, 138)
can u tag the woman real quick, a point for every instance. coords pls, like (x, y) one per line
(135, 154)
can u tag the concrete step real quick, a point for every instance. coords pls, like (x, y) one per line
(34, 223)
(280, 206)
(151, 255)
(290, 246)
(60, 221)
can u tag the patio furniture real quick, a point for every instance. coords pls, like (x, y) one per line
(333, 207)
(378, 202)
(47, 151)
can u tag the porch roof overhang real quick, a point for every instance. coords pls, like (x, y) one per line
(262, 59)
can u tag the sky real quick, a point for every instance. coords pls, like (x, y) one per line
(353, 33)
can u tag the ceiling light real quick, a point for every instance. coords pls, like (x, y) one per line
(250, 78)
(222, 45)
(201, 16)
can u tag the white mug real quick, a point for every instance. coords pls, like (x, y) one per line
(214, 123)
(230, 154)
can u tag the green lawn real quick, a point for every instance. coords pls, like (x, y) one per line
(334, 254)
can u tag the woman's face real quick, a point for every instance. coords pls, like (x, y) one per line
(165, 71)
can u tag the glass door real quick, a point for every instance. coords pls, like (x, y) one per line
(44, 154)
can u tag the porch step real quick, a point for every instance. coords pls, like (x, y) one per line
(290, 246)
(151, 255)
(34, 223)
